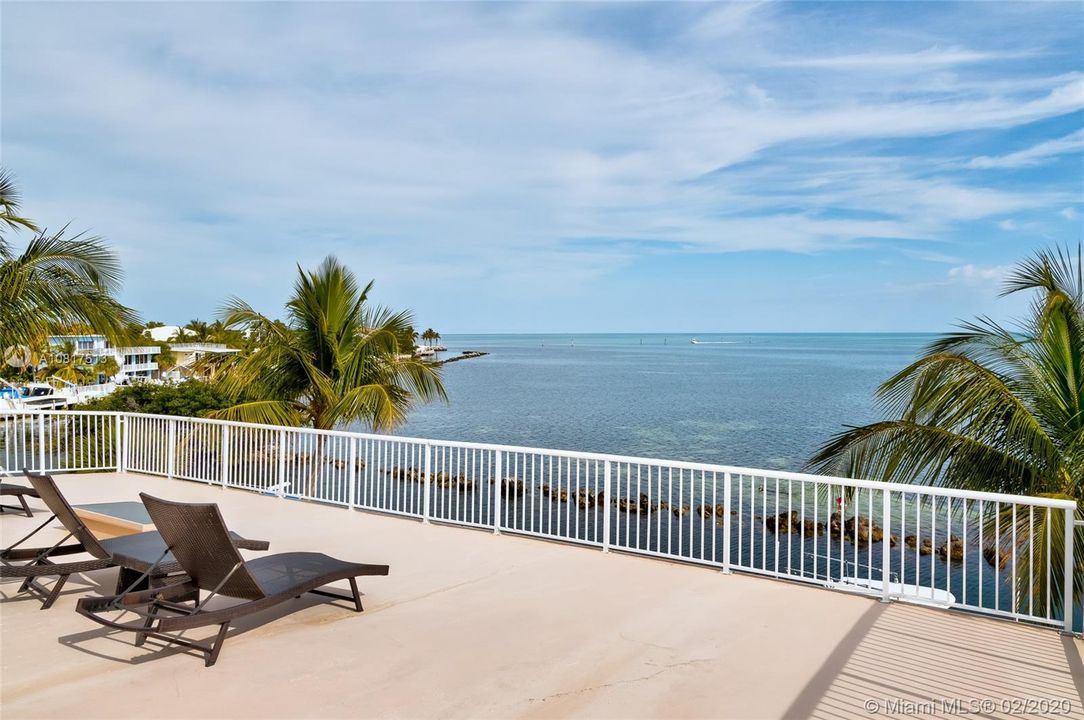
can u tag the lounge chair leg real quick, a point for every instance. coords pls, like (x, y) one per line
(124, 579)
(357, 595)
(25, 584)
(25, 509)
(141, 638)
(212, 656)
(55, 592)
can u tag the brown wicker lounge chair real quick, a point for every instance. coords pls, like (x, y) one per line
(143, 557)
(21, 493)
(198, 538)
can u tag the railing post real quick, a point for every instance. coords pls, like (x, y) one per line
(498, 486)
(41, 442)
(224, 456)
(726, 523)
(606, 503)
(126, 450)
(1067, 582)
(427, 493)
(171, 449)
(281, 486)
(886, 544)
(352, 472)
(118, 455)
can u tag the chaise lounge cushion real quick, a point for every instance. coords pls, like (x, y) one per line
(141, 550)
(277, 573)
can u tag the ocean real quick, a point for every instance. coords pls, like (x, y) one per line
(755, 400)
(764, 401)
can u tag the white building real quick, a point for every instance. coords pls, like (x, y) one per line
(188, 353)
(165, 333)
(135, 362)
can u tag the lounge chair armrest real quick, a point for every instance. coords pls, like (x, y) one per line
(95, 604)
(32, 553)
(246, 544)
(47, 567)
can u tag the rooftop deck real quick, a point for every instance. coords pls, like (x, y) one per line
(470, 624)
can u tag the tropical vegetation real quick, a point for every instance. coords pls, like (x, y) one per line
(54, 280)
(191, 398)
(994, 409)
(66, 363)
(165, 358)
(336, 358)
(431, 337)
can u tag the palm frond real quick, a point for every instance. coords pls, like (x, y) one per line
(337, 359)
(60, 281)
(10, 203)
(264, 412)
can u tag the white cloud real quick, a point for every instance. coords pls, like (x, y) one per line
(1068, 213)
(879, 61)
(486, 143)
(1034, 155)
(978, 273)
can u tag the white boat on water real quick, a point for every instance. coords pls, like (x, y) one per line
(49, 396)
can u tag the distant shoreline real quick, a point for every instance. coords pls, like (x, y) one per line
(916, 333)
(465, 355)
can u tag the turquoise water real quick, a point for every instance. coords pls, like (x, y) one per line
(762, 400)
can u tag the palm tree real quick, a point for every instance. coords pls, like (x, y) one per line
(55, 281)
(107, 366)
(429, 336)
(165, 358)
(336, 359)
(219, 332)
(986, 408)
(199, 331)
(67, 364)
(9, 206)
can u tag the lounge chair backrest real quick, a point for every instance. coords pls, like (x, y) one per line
(58, 505)
(198, 538)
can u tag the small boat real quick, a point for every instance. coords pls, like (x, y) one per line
(46, 396)
(694, 341)
(35, 396)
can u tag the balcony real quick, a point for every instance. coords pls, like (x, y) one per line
(471, 623)
(194, 347)
(128, 368)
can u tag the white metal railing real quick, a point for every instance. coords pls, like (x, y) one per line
(1005, 555)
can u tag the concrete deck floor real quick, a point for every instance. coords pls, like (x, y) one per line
(470, 624)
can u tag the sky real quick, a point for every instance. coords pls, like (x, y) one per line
(559, 167)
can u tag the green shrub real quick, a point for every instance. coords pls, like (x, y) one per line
(191, 398)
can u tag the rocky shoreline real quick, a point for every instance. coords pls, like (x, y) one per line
(465, 355)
